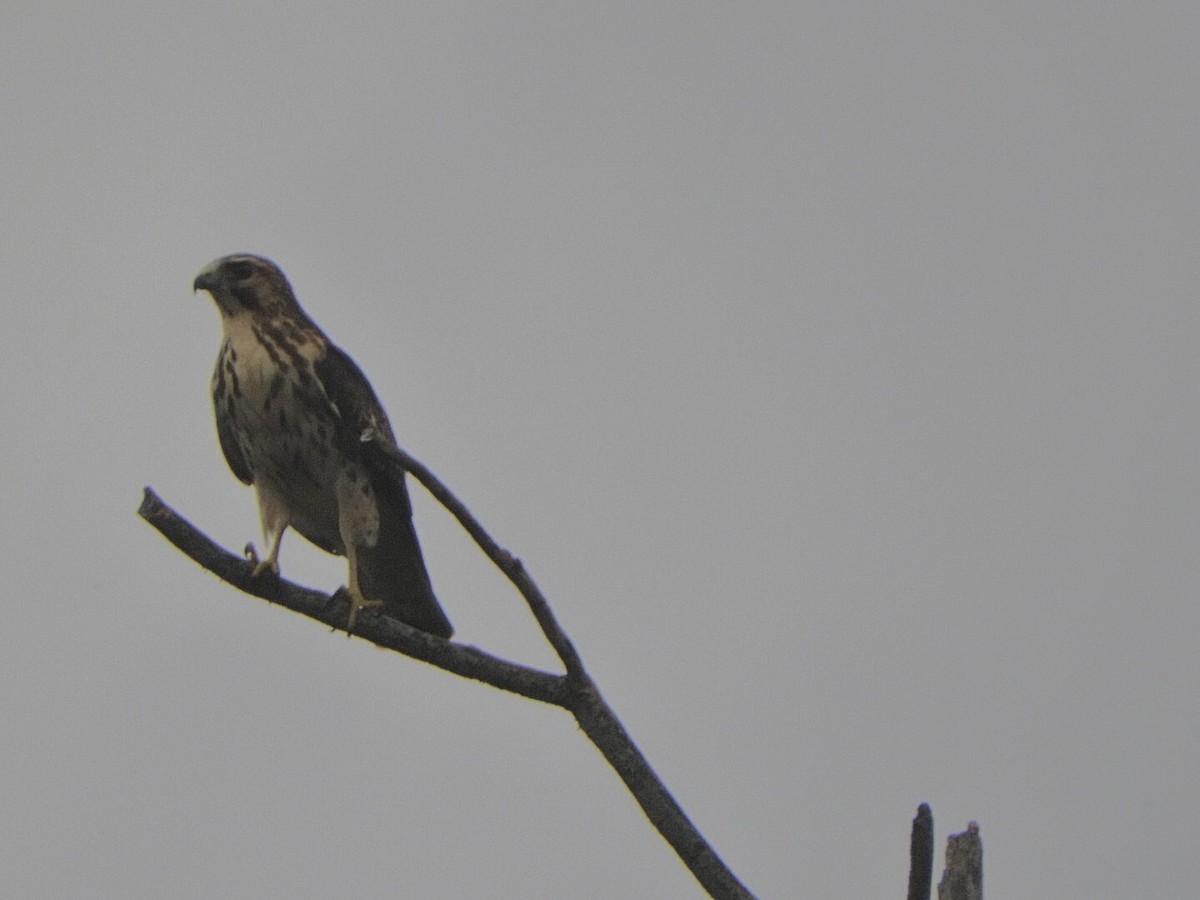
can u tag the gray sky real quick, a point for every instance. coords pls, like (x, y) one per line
(833, 369)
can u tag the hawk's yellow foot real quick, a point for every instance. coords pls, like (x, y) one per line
(358, 600)
(262, 565)
(358, 603)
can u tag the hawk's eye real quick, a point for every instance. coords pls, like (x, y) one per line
(241, 270)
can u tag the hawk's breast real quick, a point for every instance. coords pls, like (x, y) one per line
(286, 429)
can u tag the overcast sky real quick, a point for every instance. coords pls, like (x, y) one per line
(832, 367)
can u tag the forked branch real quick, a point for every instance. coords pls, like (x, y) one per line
(574, 691)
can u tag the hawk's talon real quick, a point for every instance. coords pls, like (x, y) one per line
(357, 604)
(261, 566)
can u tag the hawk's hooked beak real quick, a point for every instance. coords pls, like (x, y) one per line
(205, 281)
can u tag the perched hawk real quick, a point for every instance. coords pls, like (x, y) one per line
(298, 420)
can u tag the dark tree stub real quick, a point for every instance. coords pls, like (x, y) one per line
(920, 866)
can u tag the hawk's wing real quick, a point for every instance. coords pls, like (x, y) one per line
(354, 402)
(393, 570)
(365, 424)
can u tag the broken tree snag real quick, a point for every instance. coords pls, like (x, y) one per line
(920, 864)
(963, 878)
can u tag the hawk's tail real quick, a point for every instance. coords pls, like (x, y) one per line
(394, 570)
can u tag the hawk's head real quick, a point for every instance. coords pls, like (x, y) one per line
(245, 283)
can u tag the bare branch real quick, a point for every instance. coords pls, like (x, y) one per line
(604, 729)
(574, 691)
(333, 610)
(504, 561)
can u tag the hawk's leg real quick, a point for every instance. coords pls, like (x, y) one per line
(273, 513)
(358, 600)
(271, 563)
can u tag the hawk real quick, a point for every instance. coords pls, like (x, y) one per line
(297, 419)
